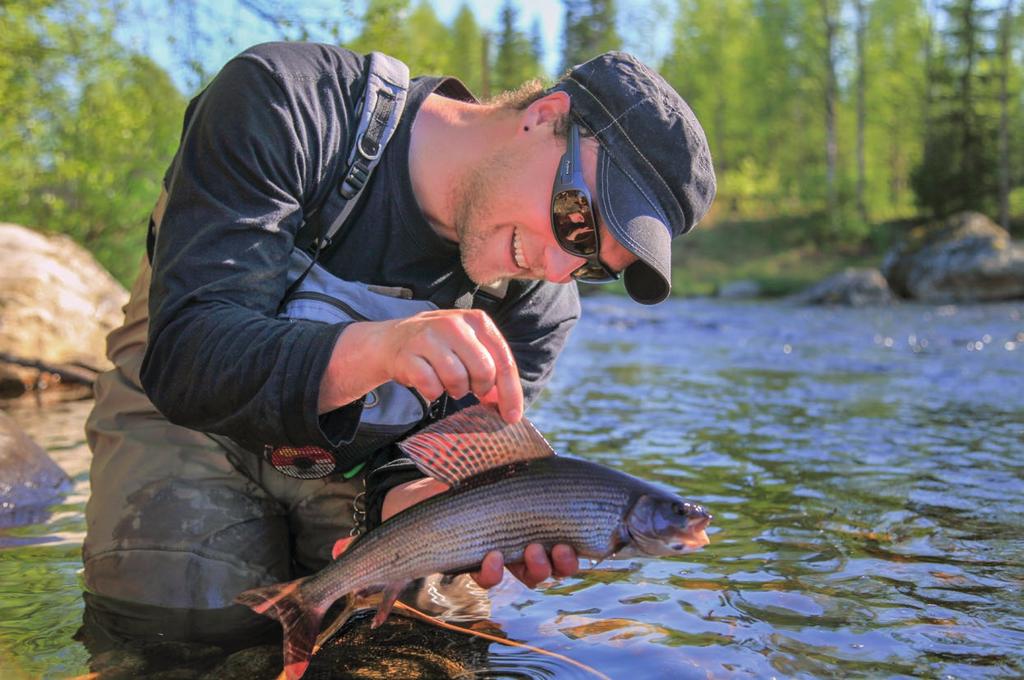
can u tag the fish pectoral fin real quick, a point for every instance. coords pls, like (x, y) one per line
(388, 597)
(621, 538)
(472, 441)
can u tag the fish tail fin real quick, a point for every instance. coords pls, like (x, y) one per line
(299, 617)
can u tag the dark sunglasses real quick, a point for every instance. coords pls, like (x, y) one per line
(573, 218)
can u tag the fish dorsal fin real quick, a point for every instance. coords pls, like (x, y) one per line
(472, 441)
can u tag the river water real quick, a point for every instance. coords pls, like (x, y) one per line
(865, 469)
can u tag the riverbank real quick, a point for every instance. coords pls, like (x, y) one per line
(782, 255)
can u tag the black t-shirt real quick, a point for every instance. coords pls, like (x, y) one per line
(264, 145)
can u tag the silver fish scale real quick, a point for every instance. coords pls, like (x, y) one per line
(549, 501)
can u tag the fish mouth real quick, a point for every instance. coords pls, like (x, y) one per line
(694, 535)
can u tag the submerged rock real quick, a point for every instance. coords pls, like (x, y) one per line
(402, 648)
(29, 479)
(57, 303)
(853, 287)
(965, 258)
(740, 289)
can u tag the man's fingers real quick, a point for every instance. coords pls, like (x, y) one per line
(479, 366)
(538, 566)
(506, 374)
(491, 570)
(422, 378)
(534, 568)
(451, 369)
(456, 351)
(564, 561)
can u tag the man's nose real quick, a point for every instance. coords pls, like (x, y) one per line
(559, 265)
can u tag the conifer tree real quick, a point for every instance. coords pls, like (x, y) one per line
(589, 29)
(959, 168)
(468, 55)
(515, 59)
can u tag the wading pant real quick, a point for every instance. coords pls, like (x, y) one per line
(177, 525)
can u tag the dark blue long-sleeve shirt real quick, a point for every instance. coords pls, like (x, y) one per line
(262, 148)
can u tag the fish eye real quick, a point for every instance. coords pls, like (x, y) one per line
(680, 509)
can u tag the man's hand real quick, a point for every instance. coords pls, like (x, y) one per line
(457, 351)
(535, 567)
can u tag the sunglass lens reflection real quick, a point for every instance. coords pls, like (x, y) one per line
(574, 223)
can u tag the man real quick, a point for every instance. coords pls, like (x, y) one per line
(184, 512)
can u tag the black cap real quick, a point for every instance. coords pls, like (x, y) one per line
(655, 179)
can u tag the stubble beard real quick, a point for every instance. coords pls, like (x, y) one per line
(471, 199)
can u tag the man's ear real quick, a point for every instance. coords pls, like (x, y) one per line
(547, 109)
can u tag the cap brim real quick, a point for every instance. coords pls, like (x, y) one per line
(637, 223)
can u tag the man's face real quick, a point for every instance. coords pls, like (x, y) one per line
(503, 214)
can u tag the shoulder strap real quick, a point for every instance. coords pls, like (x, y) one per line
(383, 101)
(381, 106)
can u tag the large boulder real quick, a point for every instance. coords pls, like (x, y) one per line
(851, 287)
(57, 304)
(29, 479)
(965, 258)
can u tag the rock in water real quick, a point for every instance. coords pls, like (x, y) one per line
(740, 290)
(57, 304)
(29, 480)
(966, 258)
(853, 287)
(400, 649)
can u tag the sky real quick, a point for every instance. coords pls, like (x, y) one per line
(156, 32)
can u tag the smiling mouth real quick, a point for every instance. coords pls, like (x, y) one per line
(517, 250)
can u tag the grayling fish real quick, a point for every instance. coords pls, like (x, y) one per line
(508, 490)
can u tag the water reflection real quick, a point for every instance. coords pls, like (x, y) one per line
(864, 468)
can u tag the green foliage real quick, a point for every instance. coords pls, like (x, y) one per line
(430, 46)
(589, 30)
(414, 35)
(959, 168)
(777, 252)
(516, 60)
(469, 59)
(88, 127)
(742, 65)
(755, 72)
(385, 28)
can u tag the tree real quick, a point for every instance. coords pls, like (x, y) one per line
(589, 30)
(959, 168)
(515, 60)
(92, 128)
(1006, 22)
(385, 28)
(861, 29)
(468, 54)
(113, 150)
(830, 24)
(895, 45)
(430, 42)
(193, 30)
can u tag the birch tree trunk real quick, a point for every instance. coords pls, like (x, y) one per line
(862, 210)
(830, 19)
(1004, 116)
